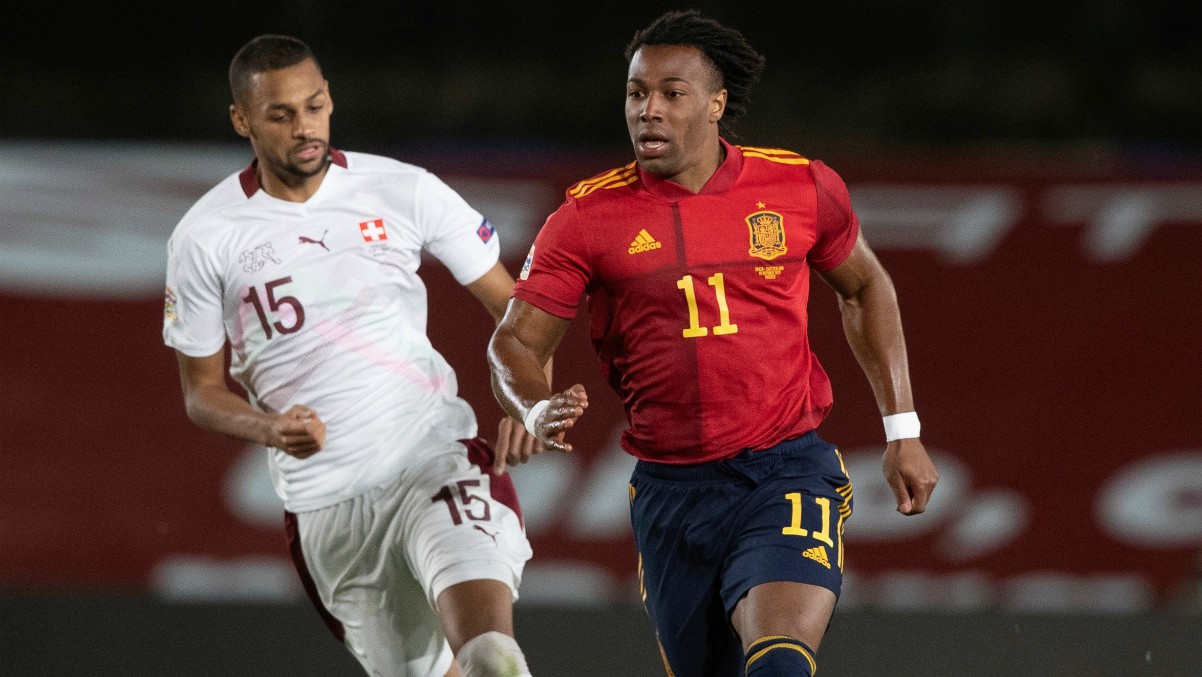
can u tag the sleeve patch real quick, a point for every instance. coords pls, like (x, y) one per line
(525, 274)
(169, 306)
(485, 231)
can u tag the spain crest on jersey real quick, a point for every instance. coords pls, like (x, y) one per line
(767, 235)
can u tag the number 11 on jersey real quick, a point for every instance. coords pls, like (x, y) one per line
(694, 330)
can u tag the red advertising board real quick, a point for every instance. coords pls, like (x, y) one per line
(1053, 328)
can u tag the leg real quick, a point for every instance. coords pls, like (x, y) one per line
(350, 576)
(473, 608)
(785, 572)
(779, 608)
(678, 531)
(477, 617)
(468, 548)
(784, 611)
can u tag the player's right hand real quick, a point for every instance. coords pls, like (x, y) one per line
(560, 415)
(516, 446)
(297, 432)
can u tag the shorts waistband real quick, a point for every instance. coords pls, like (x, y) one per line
(723, 469)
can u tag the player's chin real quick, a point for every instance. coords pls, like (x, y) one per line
(308, 166)
(656, 164)
(311, 167)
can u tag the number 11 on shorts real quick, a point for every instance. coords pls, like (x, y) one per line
(795, 529)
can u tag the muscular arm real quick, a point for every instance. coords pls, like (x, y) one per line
(213, 406)
(514, 443)
(522, 344)
(872, 324)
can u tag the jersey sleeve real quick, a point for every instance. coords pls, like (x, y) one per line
(193, 320)
(557, 269)
(838, 225)
(455, 233)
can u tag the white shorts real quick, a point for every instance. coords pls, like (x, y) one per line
(375, 564)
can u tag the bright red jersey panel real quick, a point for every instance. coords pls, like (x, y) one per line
(698, 301)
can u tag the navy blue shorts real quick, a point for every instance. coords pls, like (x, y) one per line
(708, 533)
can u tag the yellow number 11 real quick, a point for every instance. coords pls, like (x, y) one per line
(695, 329)
(795, 528)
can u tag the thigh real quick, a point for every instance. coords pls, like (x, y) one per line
(796, 610)
(462, 523)
(678, 534)
(378, 603)
(791, 528)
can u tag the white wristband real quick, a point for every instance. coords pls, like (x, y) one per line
(901, 426)
(532, 415)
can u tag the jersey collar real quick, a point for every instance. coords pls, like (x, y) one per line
(249, 178)
(723, 179)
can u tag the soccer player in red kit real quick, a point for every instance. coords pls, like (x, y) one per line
(696, 261)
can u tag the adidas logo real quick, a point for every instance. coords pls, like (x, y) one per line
(818, 554)
(643, 243)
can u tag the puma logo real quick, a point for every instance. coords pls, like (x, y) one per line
(486, 532)
(309, 240)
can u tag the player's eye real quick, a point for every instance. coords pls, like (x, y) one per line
(634, 94)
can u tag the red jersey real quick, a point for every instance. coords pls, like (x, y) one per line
(698, 301)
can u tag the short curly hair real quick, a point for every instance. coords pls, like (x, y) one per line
(738, 64)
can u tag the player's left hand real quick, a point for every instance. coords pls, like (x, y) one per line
(515, 445)
(910, 473)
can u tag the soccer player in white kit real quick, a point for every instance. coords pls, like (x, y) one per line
(305, 263)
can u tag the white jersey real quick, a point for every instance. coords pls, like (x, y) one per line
(322, 306)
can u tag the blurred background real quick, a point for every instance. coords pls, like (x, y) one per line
(1029, 172)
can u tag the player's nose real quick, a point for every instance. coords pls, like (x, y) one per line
(652, 108)
(303, 127)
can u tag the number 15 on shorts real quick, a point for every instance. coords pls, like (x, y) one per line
(467, 502)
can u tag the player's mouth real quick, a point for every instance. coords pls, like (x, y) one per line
(314, 150)
(651, 144)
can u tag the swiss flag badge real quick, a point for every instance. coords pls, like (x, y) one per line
(373, 231)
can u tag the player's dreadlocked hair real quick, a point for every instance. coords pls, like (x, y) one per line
(737, 63)
(265, 53)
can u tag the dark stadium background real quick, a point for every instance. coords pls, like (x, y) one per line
(1055, 356)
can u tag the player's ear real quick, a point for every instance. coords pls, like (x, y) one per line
(238, 117)
(718, 105)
